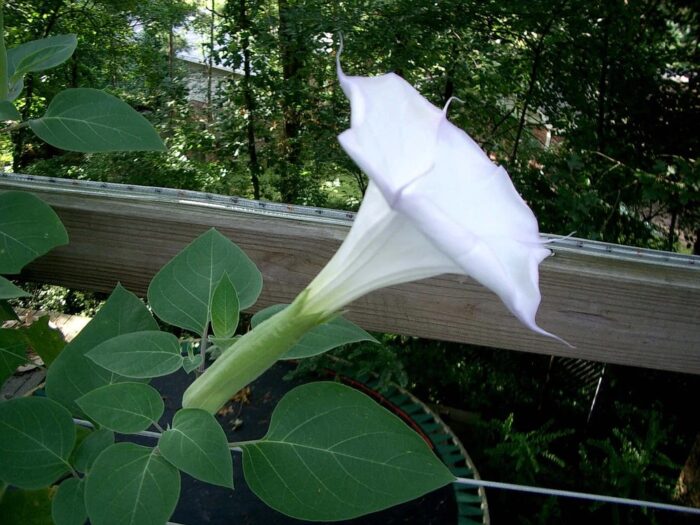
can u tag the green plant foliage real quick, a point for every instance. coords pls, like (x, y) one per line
(123, 407)
(26, 507)
(68, 504)
(149, 487)
(224, 308)
(332, 453)
(91, 446)
(7, 313)
(36, 438)
(72, 374)
(524, 452)
(89, 120)
(197, 445)
(327, 336)
(47, 342)
(139, 354)
(38, 55)
(28, 229)
(181, 292)
(8, 111)
(12, 352)
(8, 290)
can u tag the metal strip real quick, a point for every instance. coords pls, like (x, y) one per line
(558, 243)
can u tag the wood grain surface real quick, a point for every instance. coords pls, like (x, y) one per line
(639, 309)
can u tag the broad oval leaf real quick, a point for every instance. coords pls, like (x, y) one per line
(72, 374)
(13, 352)
(89, 120)
(332, 453)
(28, 229)
(145, 354)
(8, 111)
(68, 504)
(36, 438)
(224, 308)
(180, 293)
(197, 445)
(123, 407)
(8, 290)
(149, 487)
(38, 55)
(91, 447)
(327, 336)
(26, 507)
(44, 340)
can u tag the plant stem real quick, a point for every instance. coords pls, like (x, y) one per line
(4, 81)
(203, 343)
(252, 355)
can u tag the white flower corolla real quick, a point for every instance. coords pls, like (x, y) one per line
(435, 204)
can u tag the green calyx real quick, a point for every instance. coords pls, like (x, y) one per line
(252, 355)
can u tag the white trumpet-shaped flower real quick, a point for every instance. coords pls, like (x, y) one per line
(435, 204)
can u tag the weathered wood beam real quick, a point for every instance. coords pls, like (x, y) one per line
(615, 304)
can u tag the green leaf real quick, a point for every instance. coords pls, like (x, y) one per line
(197, 445)
(38, 55)
(13, 352)
(8, 290)
(190, 363)
(26, 507)
(143, 355)
(181, 292)
(224, 308)
(91, 447)
(123, 407)
(72, 374)
(327, 336)
(90, 120)
(8, 111)
(68, 505)
(7, 313)
(44, 340)
(28, 229)
(36, 438)
(332, 453)
(149, 487)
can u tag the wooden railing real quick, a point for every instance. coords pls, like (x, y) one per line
(615, 304)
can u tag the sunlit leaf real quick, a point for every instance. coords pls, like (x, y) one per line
(123, 407)
(139, 354)
(332, 453)
(149, 487)
(8, 111)
(197, 445)
(224, 308)
(327, 336)
(36, 438)
(181, 292)
(89, 120)
(38, 55)
(72, 373)
(28, 229)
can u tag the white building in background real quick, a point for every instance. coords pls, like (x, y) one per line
(195, 58)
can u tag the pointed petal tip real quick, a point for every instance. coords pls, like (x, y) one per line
(533, 326)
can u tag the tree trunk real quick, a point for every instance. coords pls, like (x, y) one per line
(603, 84)
(688, 486)
(290, 56)
(249, 99)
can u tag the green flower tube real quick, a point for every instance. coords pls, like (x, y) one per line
(252, 355)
